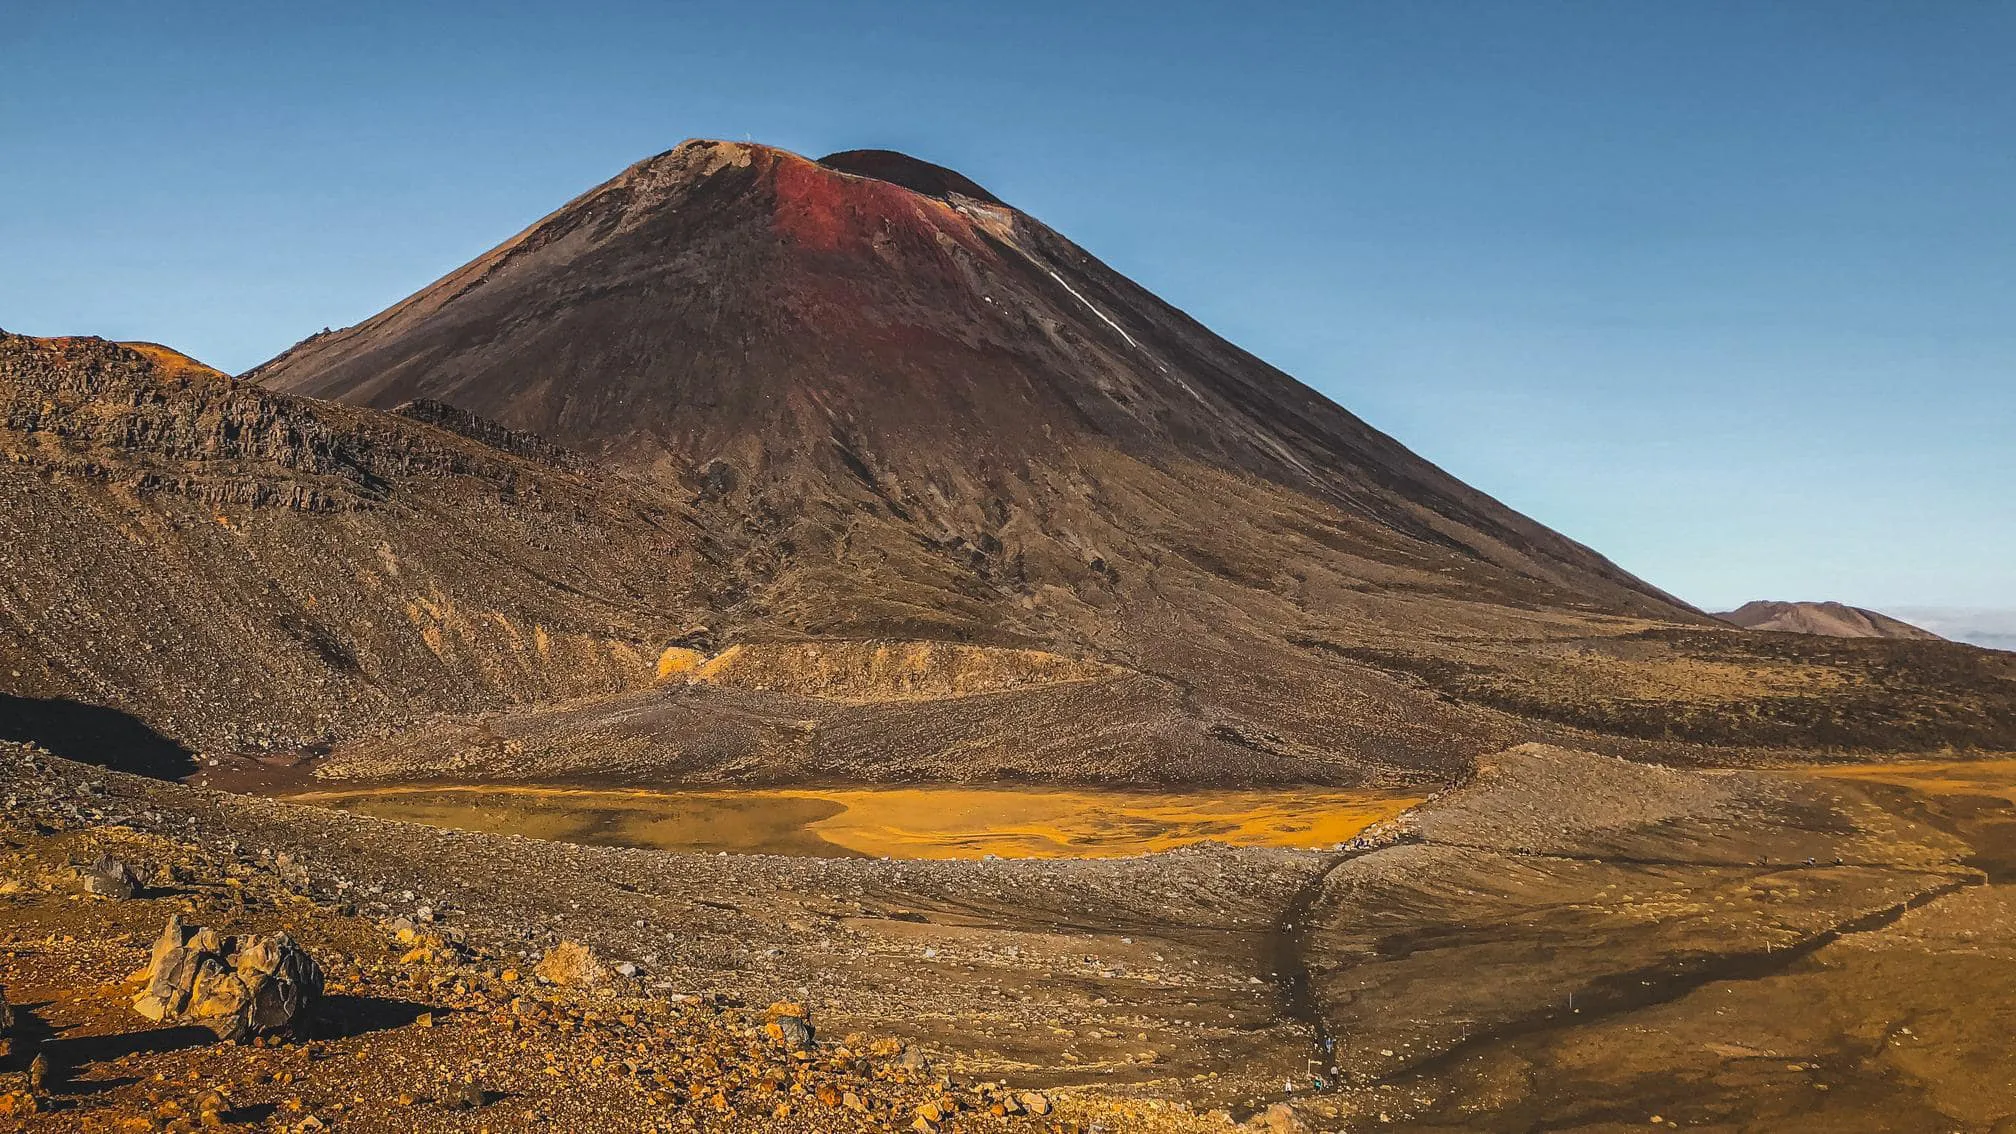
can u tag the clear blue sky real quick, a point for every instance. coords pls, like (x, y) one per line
(1725, 290)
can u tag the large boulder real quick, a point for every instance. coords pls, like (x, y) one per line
(238, 987)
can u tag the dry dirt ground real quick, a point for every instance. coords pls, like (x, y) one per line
(1565, 942)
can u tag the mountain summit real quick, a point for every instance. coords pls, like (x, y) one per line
(909, 172)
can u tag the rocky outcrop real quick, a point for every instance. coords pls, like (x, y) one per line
(309, 569)
(75, 402)
(238, 987)
(515, 441)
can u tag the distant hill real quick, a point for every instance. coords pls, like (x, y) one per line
(1831, 619)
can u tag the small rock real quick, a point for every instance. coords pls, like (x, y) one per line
(465, 1096)
(212, 1108)
(428, 949)
(1034, 1102)
(110, 878)
(628, 971)
(569, 962)
(790, 1024)
(791, 1031)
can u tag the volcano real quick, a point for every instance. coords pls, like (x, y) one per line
(743, 465)
(905, 412)
(872, 321)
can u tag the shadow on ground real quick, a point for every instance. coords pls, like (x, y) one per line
(340, 1017)
(94, 734)
(69, 1053)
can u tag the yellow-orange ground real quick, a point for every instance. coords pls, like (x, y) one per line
(1995, 777)
(921, 823)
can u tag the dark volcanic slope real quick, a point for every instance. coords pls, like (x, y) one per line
(873, 321)
(1833, 619)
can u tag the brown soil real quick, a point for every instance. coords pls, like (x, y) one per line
(1566, 942)
(1062, 975)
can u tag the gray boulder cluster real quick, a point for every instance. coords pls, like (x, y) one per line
(239, 987)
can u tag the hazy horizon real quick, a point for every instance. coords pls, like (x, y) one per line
(1720, 291)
